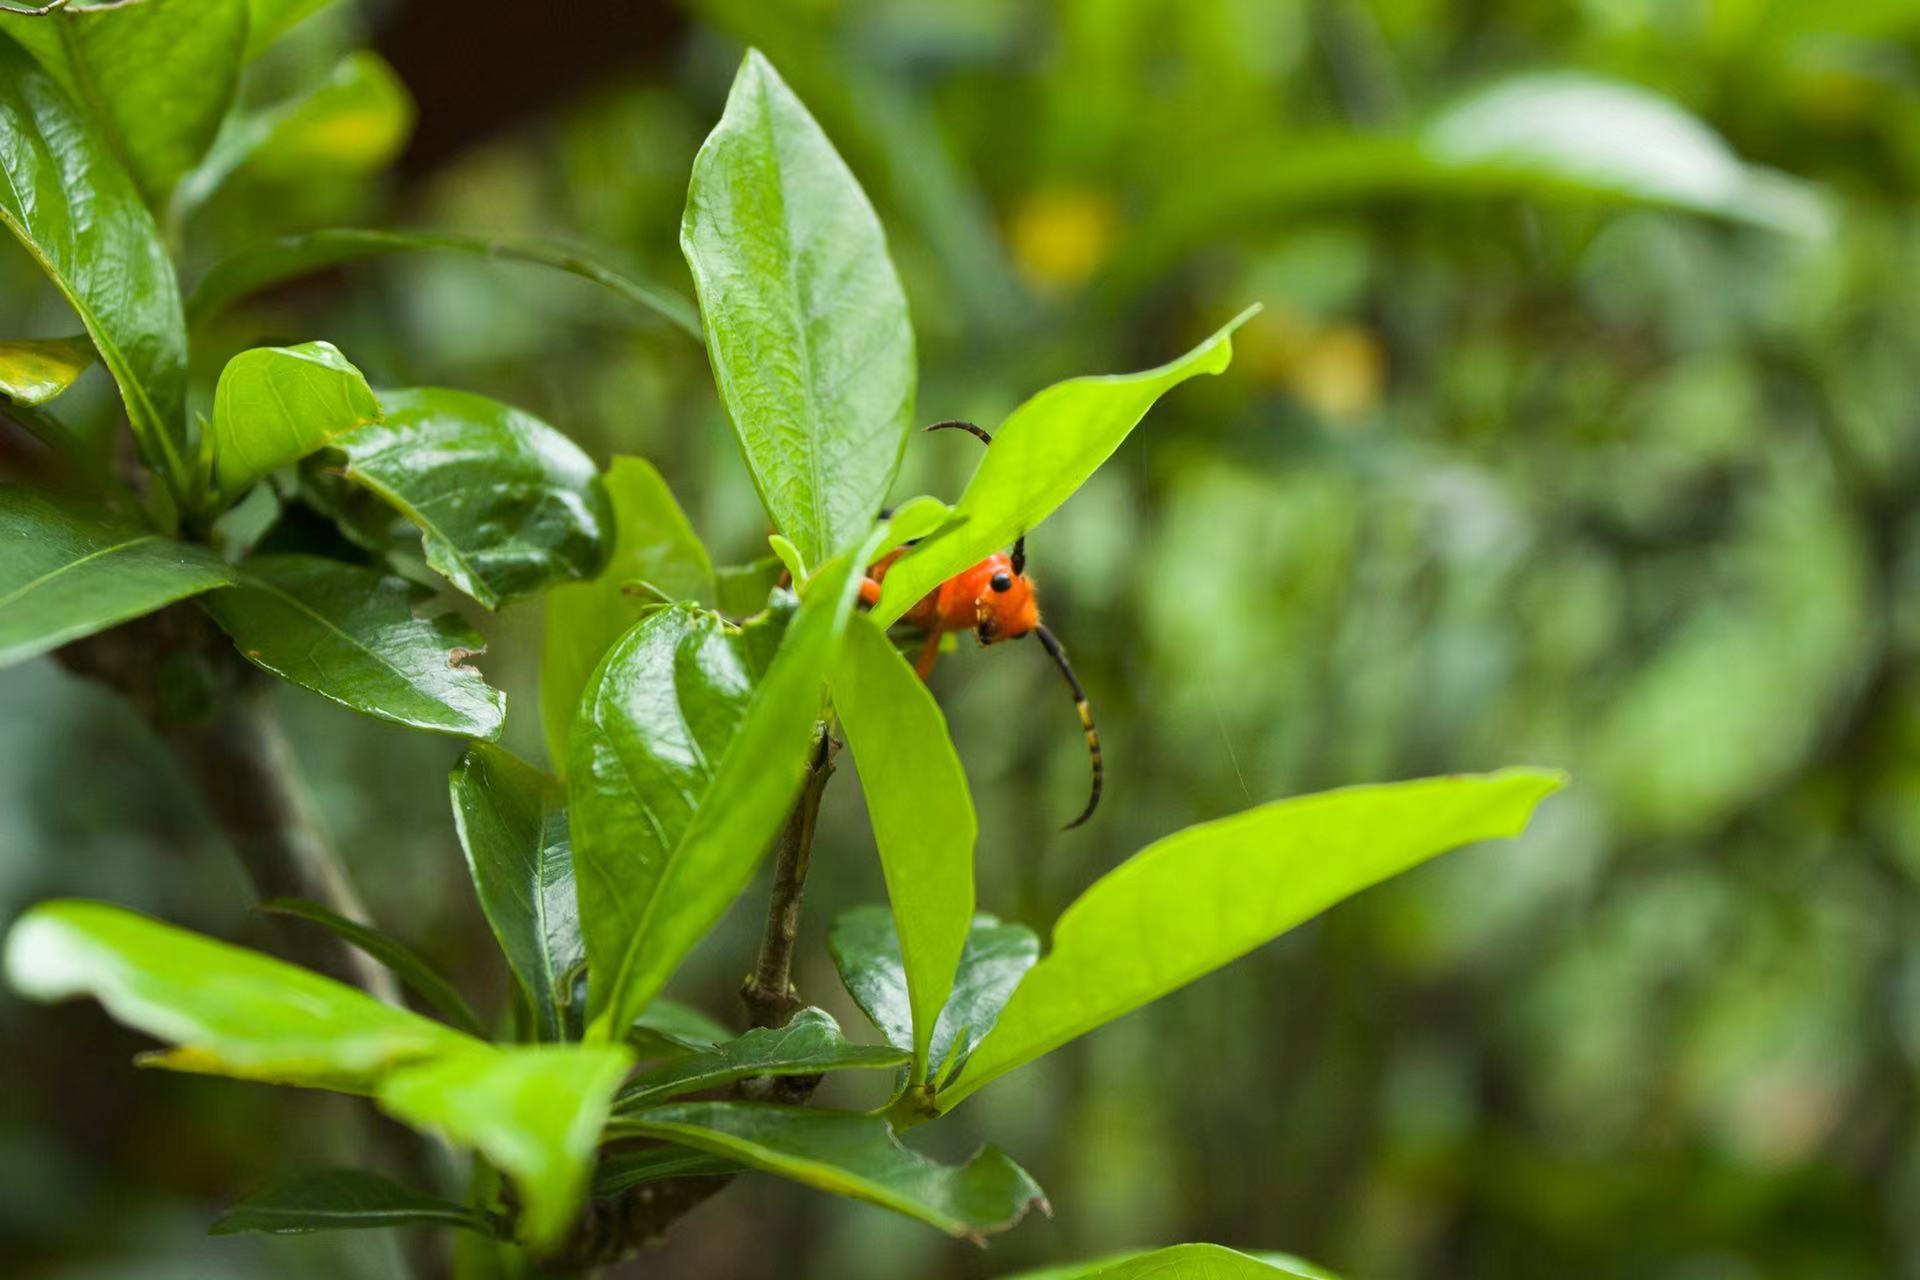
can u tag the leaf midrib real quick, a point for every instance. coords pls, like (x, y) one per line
(51, 574)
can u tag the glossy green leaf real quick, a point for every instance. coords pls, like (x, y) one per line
(743, 588)
(806, 323)
(624, 1170)
(271, 19)
(71, 569)
(512, 821)
(1040, 455)
(652, 543)
(273, 261)
(1182, 1262)
(408, 965)
(504, 503)
(79, 216)
(667, 1028)
(995, 958)
(535, 1112)
(851, 1155)
(229, 1011)
(1195, 900)
(810, 1044)
(922, 816)
(351, 635)
(36, 370)
(342, 1200)
(156, 76)
(275, 405)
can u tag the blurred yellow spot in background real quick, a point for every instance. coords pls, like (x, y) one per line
(1060, 236)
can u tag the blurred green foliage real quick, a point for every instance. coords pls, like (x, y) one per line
(1504, 472)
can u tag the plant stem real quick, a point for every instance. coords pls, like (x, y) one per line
(769, 994)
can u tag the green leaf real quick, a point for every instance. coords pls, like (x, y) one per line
(535, 1112)
(806, 323)
(36, 370)
(652, 543)
(273, 261)
(276, 405)
(667, 1028)
(743, 588)
(271, 19)
(408, 965)
(350, 634)
(512, 821)
(157, 76)
(921, 812)
(624, 1170)
(851, 1155)
(77, 213)
(1195, 900)
(996, 957)
(504, 503)
(230, 1011)
(1182, 1262)
(810, 1044)
(342, 1200)
(1040, 455)
(72, 569)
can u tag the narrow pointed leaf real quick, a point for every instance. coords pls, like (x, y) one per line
(408, 965)
(652, 543)
(512, 821)
(229, 1011)
(922, 816)
(77, 213)
(851, 1155)
(351, 635)
(806, 322)
(72, 569)
(810, 1044)
(504, 503)
(342, 1200)
(36, 370)
(276, 405)
(1190, 903)
(1040, 455)
(624, 1170)
(535, 1112)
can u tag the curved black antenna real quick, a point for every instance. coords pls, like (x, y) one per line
(958, 424)
(1059, 657)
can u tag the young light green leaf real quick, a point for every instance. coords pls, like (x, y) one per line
(652, 543)
(350, 634)
(535, 1112)
(342, 1200)
(408, 965)
(504, 503)
(77, 213)
(810, 1044)
(72, 569)
(512, 821)
(922, 816)
(281, 259)
(1197, 899)
(806, 323)
(36, 370)
(230, 1011)
(624, 1170)
(1182, 1262)
(276, 405)
(1039, 456)
(851, 1155)
(866, 950)
(155, 75)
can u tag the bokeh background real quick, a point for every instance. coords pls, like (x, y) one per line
(1519, 465)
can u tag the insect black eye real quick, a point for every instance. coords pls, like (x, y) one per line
(1002, 581)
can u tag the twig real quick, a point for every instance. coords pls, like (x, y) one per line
(768, 993)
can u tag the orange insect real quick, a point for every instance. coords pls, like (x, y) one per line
(994, 599)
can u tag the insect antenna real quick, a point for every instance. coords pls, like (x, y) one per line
(1059, 656)
(956, 424)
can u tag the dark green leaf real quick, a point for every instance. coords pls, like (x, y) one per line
(851, 1155)
(806, 322)
(810, 1044)
(272, 261)
(675, 1028)
(71, 569)
(743, 588)
(342, 1200)
(504, 503)
(1189, 903)
(35, 370)
(77, 213)
(350, 634)
(407, 964)
(624, 1170)
(652, 544)
(230, 1011)
(512, 821)
(156, 75)
(276, 405)
(535, 1112)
